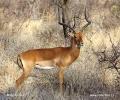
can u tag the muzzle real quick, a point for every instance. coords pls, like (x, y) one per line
(79, 45)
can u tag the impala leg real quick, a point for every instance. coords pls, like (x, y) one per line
(60, 76)
(21, 79)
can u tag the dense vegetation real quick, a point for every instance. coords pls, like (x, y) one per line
(31, 24)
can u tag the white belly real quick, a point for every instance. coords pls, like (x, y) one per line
(44, 67)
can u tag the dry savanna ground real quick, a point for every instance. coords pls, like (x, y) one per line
(32, 24)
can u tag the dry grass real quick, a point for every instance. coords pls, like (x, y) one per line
(83, 79)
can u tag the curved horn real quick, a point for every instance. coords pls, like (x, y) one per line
(88, 22)
(63, 22)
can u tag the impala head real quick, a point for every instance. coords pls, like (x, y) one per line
(78, 39)
(77, 36)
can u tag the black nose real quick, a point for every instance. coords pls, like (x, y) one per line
(81, 44)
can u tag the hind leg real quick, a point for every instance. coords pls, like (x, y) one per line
(21, 79)
(26, 72)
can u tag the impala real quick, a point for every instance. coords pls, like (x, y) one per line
(60, 57)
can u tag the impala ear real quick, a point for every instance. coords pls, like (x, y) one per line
(71, 34)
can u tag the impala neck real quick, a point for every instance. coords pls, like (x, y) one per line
(73, 46)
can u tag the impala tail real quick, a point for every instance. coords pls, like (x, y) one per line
(19, 62)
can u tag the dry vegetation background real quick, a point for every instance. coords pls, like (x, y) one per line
(31, 24)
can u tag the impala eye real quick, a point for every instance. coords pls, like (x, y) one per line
(75, 36)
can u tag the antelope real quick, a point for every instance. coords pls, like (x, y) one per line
(60, 57)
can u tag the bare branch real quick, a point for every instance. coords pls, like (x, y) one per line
(112, 58)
